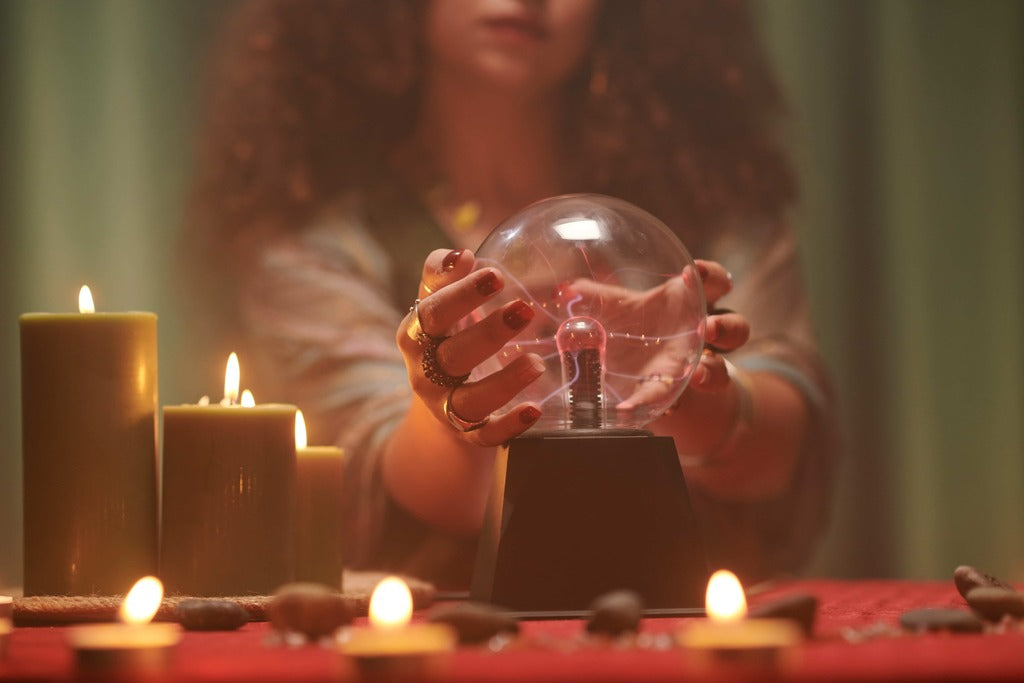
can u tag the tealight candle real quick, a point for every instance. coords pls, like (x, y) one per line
(5, 631)
(228, 496)
(318, 479)
(728, 635)
(88, 398)
(133, 646)
(391, 646)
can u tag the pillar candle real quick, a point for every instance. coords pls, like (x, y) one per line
(319, 474)
(227, 525)
(88, 399)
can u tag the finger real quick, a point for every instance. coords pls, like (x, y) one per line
(502, 428)
(716, 279)
(726, 331)
(443, 267)
(654, 388)
(474, 401)
(463, 351)
(587, 288)
(441, 310)
(711, 374)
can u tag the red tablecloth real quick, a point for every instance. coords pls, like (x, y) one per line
(557, 653)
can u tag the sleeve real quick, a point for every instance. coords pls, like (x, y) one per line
(321, 322)
(776, 536)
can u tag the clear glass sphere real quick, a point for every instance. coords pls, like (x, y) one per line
(619, 310)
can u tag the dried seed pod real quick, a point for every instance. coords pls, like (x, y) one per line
(992, 603)
(312, 609)
(966, 577)
(615, 613)
(198, 614)
(474, 622)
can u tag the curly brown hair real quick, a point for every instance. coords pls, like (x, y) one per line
(308, 99)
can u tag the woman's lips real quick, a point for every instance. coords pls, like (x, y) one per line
(519, 28)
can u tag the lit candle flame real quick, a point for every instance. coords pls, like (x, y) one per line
(725, 600)
(300, 430)
(231, 380)
(142, 601)
(85, 303)
(390, 604)
(248, 400)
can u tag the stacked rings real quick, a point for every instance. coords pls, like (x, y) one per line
(429, 344)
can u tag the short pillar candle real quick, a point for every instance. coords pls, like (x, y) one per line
(88, 399)
(319, 476)
(227, 525)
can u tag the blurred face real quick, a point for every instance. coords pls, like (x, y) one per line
(529, 45)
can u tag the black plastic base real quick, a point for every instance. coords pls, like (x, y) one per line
(573, 517)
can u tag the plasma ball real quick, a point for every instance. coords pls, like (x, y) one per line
(581, 344)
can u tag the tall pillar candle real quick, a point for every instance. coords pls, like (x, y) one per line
(227, 525)
(88, 398)
(319, 475)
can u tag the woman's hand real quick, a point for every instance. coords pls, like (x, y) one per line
(438, 363)
(724, 330)
(710, 408)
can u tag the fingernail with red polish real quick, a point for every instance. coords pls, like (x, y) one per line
(560, 290)
(487, 284)
(529, 415)
(517, 315)
(448, 264)
(711, 331)
(703, 270)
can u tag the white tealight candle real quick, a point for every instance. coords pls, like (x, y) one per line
(133, 645)
(728, 635)
(391, 646)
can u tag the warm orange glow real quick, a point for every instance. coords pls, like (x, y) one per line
(231, 380)
(85, 303)
(300, 430)
(725, 600)
(390, 604)
(142, 601)
(248, 400)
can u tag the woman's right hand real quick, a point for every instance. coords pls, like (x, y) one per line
(438, 360)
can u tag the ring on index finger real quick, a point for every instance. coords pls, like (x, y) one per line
(415, 328)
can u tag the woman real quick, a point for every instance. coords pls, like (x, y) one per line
(349, 139)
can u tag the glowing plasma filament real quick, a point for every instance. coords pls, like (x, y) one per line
(581, 345)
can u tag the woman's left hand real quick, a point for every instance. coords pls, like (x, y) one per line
(724, 331)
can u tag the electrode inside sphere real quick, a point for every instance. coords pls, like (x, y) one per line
(619, 307)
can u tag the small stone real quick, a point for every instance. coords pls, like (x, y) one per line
(992, 603)
(615, 613)
(211, 615)
(312, 609)
(940, 619)
(801, 608)
(474, 622)
(966, 578)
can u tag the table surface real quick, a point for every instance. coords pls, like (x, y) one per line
(558, 650)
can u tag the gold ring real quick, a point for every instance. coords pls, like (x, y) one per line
(460, 424)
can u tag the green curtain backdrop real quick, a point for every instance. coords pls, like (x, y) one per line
(908, 128)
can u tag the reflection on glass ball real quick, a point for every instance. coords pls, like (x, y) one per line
(619, 309)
